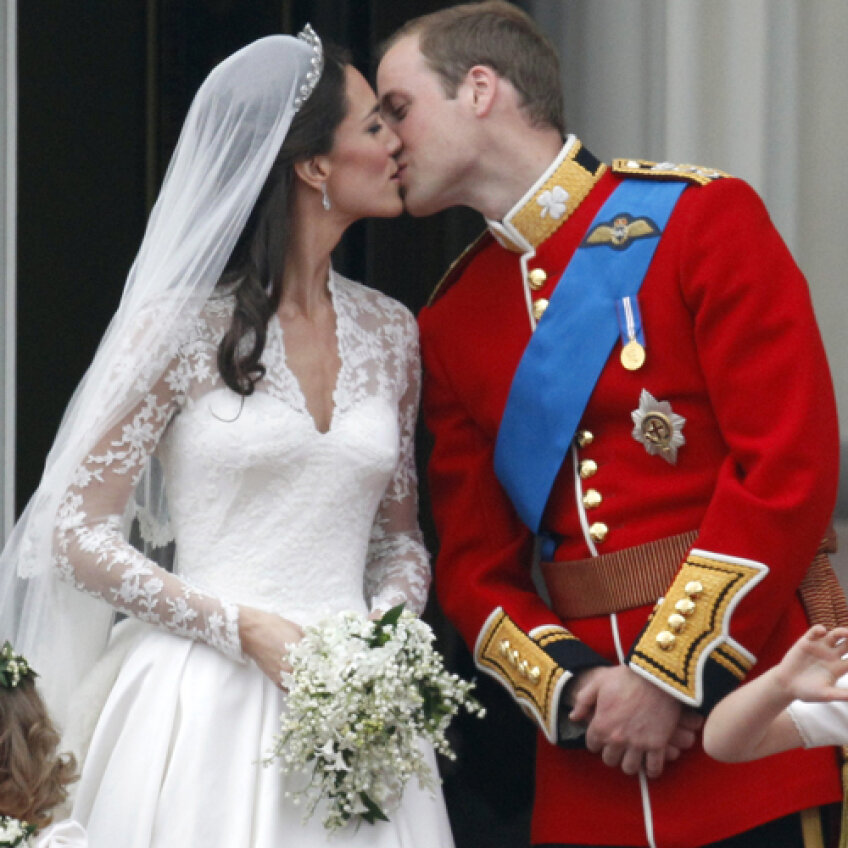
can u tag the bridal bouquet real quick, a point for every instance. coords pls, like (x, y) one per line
(361, 695)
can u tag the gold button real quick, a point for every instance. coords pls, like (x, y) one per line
(666, 639)
(592, 499)
(539, 307)
(524, 668)
(598, 531)
(504, 648)
(693, 588)
(584, 438)
(514, 658)
(588, 468)
(535, 674)
(537, 278)
(676, 622)
(685, 607)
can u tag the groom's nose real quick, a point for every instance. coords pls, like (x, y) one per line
(394, 144)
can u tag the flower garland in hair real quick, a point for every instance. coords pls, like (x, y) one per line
(13, 669)
(14, 832)
(362, 695)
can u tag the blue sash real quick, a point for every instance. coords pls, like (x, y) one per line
(570, 347)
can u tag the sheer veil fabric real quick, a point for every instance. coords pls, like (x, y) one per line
(230, 139)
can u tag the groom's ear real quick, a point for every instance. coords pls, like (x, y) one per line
(314, 171)
(481, 83)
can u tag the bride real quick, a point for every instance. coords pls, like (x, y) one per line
(258, 409)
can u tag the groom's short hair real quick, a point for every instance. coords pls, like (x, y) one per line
(497, 34)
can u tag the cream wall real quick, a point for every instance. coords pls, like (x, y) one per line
(754, 87)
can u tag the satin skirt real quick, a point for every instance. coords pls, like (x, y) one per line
(176, 760)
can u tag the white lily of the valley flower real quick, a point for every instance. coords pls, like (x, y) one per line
(553, 202)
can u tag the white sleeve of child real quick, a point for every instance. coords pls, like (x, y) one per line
(824, 723)
(63, 834)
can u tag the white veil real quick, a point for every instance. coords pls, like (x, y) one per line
(231, 136)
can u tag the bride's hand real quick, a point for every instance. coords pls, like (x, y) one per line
(264, 637)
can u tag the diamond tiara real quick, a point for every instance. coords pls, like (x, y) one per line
(311, 37)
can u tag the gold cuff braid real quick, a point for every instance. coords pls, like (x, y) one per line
(520, 663)
(692, 624)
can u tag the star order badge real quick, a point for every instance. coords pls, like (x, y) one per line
(658, 428)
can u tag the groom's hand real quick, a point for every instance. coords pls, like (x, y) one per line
(631, 722)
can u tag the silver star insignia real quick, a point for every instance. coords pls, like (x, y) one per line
(658, 428)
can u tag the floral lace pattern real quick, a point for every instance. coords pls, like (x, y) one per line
(265, 509)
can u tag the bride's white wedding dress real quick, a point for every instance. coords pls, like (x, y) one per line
(266, 511)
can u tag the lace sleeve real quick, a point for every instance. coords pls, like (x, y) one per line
(90, 550)
(398, 566)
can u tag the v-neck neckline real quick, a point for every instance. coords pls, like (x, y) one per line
(300, 396)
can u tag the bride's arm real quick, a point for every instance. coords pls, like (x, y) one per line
(91, 552)
(398, 567)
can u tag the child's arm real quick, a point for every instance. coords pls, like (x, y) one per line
(752, 722)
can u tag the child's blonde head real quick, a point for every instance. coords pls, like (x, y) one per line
(33, 777)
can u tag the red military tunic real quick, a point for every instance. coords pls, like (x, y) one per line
(732, 345)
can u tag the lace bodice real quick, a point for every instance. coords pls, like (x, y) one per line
(265, 509)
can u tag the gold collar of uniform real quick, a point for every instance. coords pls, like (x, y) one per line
(551, 200)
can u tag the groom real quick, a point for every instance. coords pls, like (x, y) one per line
(624, 374)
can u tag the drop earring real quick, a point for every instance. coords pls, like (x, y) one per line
(325, 198)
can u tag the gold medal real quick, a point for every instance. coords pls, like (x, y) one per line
(633, 355)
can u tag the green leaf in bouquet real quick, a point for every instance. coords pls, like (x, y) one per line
(391, 617)
(434, 703)
(374, 813)
(387, 622)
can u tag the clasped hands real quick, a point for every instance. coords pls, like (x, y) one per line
(630, 721)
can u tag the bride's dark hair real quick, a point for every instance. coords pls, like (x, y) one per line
(255, 267)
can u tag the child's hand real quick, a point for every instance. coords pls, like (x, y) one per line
(812, 666)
